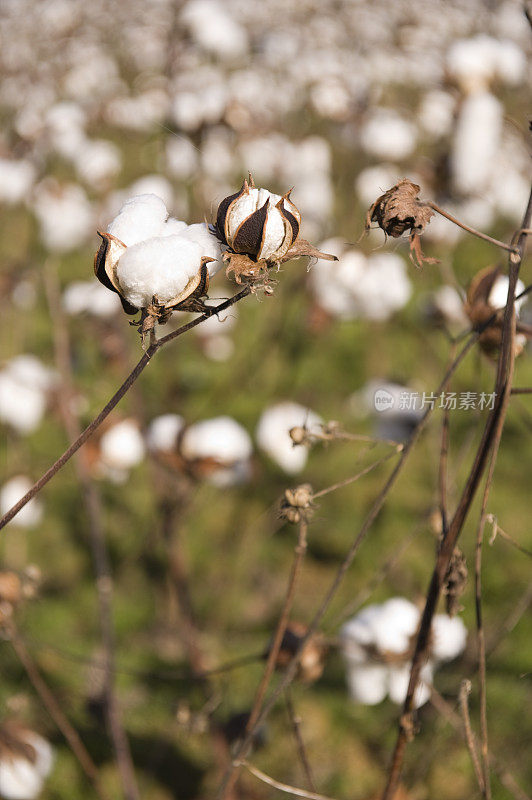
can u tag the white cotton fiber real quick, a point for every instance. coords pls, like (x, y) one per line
(449, 636)
(163, 431)
(139, 218)
(160, 266)
(122, 446)
(208, 242)
(273, 434)
(221, 438)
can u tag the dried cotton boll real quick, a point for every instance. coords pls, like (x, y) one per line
(122, 446)
(11, 492)
(16, 180)
(449, 636)
(273, 434)
(476, 142)
(385, 134)
(23, 773)
(163, 432)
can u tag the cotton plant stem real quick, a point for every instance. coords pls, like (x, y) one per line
(454, 719)
(291, 670)
(353, 478)
(465, 690)
(56, 713)
(282, 787)
(489, 444)
(295, 722)
(510, 248)
(92, 502)
(115, 399)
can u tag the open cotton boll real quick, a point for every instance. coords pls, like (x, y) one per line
(221, 438)
(30, 371)
(122, 446)
(449, 636)
(358, 633)
(97, 161)
(31, 514)
(21, 407)
(273, 434)
(395, 625)
(22, 778)
(368, 683)
(398, 679)
(385, 134)
(65, 215)
(499, 293)
(163, 432)
(161, 266)
(91, 297)
(139, 218)
(476, 142)
(210, 246)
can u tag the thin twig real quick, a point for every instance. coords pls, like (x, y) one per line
(513, 618)
(115, 399)
(465, 691)
(521, 390)
(282, 787)
(478, 234)
(353, 478)
(56, 713)
(102, 567)
(295, 722)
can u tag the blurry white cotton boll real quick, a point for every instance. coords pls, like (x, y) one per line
(153, 184)
(475, 62)
(218, 153)
(121, 448)
(273, 434)
(24, 386)
(368, 683)
(499, 293)
(385, 134)
(97, 161)
(476, 142)
(139, 113)
(436, 113)
(181, 157)
(374, 181)
(449, 636)
(399, 678)
(447, 302)
(16, 180)
(331, 99)
(395, 625)
(65, 124)
(224, 446)
(65, 215)
(10, 493)
(90, 297)
(22, 777)
(214, 29)
(163, 431)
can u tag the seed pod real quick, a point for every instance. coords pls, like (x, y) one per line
(311, 662)
(258, 223)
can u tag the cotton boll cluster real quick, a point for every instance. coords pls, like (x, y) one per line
(10, 493)
(26, 760)
(373, 287)
(218, 450)
(162, 254)
(90, 297)
(273, 434)
(377, 648)
(25, 386)
(120, 448)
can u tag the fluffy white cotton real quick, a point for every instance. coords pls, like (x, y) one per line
(398, 679)
(22, 779)
(395, 625)
(200, 234)
(273, 434)
(476, 142)
(11, 492)
(161, 267)
(385, 134)
(214, 29)
(65, 215)
(90, 297)
(221, 438)
(163, 432)
(24, 384)
(450, 305)
(30, 371)
(97, 162)
(449, 636)
(368, 683)
(140, 218)
(153, 184)
(122, 446)
(499, 293)
(16, 180)
(477, 61)
(181, 157)
(436, 113)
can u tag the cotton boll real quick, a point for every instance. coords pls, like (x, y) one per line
(214, 29)
(153, 184)
(160, 266)
(358, 633)
(395, 625)
(436, 113)
(331, 99)
(163, 432)
(90, 297)
(30, 371)
(122, 446)
(65, 215)
(510, 63)
(139, 218)
(11, 492)
(374, 181)
(200, 234)
(510, 190)
(221, 438)
(181, 157)
(16, 180)
(447, 302)
(368, 683)
(449, 636)
(273, 434)
(385, 134)
(499, 293)
(21, 407)
(384, 287)
(22, 778)
(476, 142)
(398, 680)
(97, 161)
(187, 111)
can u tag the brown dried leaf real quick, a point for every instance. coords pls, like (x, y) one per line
(400, 210)
(303, 248)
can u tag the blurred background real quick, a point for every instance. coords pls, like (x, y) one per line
(340, 99)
